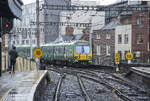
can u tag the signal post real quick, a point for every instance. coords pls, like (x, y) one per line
(117, 61)
(129, 57)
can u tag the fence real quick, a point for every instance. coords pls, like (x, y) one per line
(22, 64)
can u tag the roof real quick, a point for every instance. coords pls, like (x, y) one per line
(67, 37)
(111, 25)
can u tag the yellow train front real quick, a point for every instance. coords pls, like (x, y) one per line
(83, 52)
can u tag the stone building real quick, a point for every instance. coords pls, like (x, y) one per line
(104, 44)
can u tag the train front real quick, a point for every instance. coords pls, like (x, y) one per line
(83, 52)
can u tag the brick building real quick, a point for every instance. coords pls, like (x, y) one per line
(104, 44)
(133, 35)
(140, 35)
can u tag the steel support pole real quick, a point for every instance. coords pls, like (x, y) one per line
(31, 52)
(38, 30)
(37, 23)
(0, 47)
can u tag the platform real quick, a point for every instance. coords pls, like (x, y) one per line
(20, 86)
(143, 71)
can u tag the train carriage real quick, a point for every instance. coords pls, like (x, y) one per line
(63, 53)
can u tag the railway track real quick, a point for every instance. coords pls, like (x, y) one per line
(57, 91)
(120, 87)
(87, 98)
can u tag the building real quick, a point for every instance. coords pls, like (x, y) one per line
(123, 40)
(111, 14)
(104, 44)
(133, 36)
(80, 17)
(140, 35)
(23, 30)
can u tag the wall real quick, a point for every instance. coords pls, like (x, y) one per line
(122, 30)
(103, 58)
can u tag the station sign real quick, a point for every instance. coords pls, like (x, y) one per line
(129, 56)
(37, 52)
(117, 58)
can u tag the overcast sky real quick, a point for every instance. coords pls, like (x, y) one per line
(101, 1)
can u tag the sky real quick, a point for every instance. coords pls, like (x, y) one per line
(101, 1)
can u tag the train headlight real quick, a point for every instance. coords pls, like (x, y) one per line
(77, 57)
(89, 57)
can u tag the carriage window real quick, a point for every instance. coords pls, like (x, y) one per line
(86, 49)
(79, 49)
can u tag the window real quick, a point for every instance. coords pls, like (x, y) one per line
(98, 50)
(78, 49)
(98, 36)
(13, 42)
(22, 42)
(140, 20)
(126, 39)
(27, 41)
(108, 36)
(120, 53)
(34, 41)
(86, 49)
(108, 50)
(125, 52)
(139, 39)
(119, 39)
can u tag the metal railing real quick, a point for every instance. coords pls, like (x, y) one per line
(22, 64)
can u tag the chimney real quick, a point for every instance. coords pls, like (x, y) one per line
(69, 30)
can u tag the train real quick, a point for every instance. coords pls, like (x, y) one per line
(66, 53)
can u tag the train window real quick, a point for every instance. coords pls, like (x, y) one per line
(79, 49)
(86, 49)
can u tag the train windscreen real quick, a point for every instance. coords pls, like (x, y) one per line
(83, 49)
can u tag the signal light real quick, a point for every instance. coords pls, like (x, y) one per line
(7, 24)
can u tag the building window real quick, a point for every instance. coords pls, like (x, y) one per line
(98, 50)
(108, 50)
(125, 52)
(14, 42)
(120, 53)
(140, 20)
(126, 39)
(18, 42)
(33, 41)
(27, 41)
(108, 36)
(22, 42)
(98, 36)
(139, 39)
(119, 39)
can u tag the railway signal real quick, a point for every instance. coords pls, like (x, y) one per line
(117, 61)
(129, 57)
(7, 24)
(9, 9)
(37, 53)
(117, 58)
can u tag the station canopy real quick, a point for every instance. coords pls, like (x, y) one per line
(11, 8)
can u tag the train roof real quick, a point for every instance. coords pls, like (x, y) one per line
(65, 43)
(55, 44)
